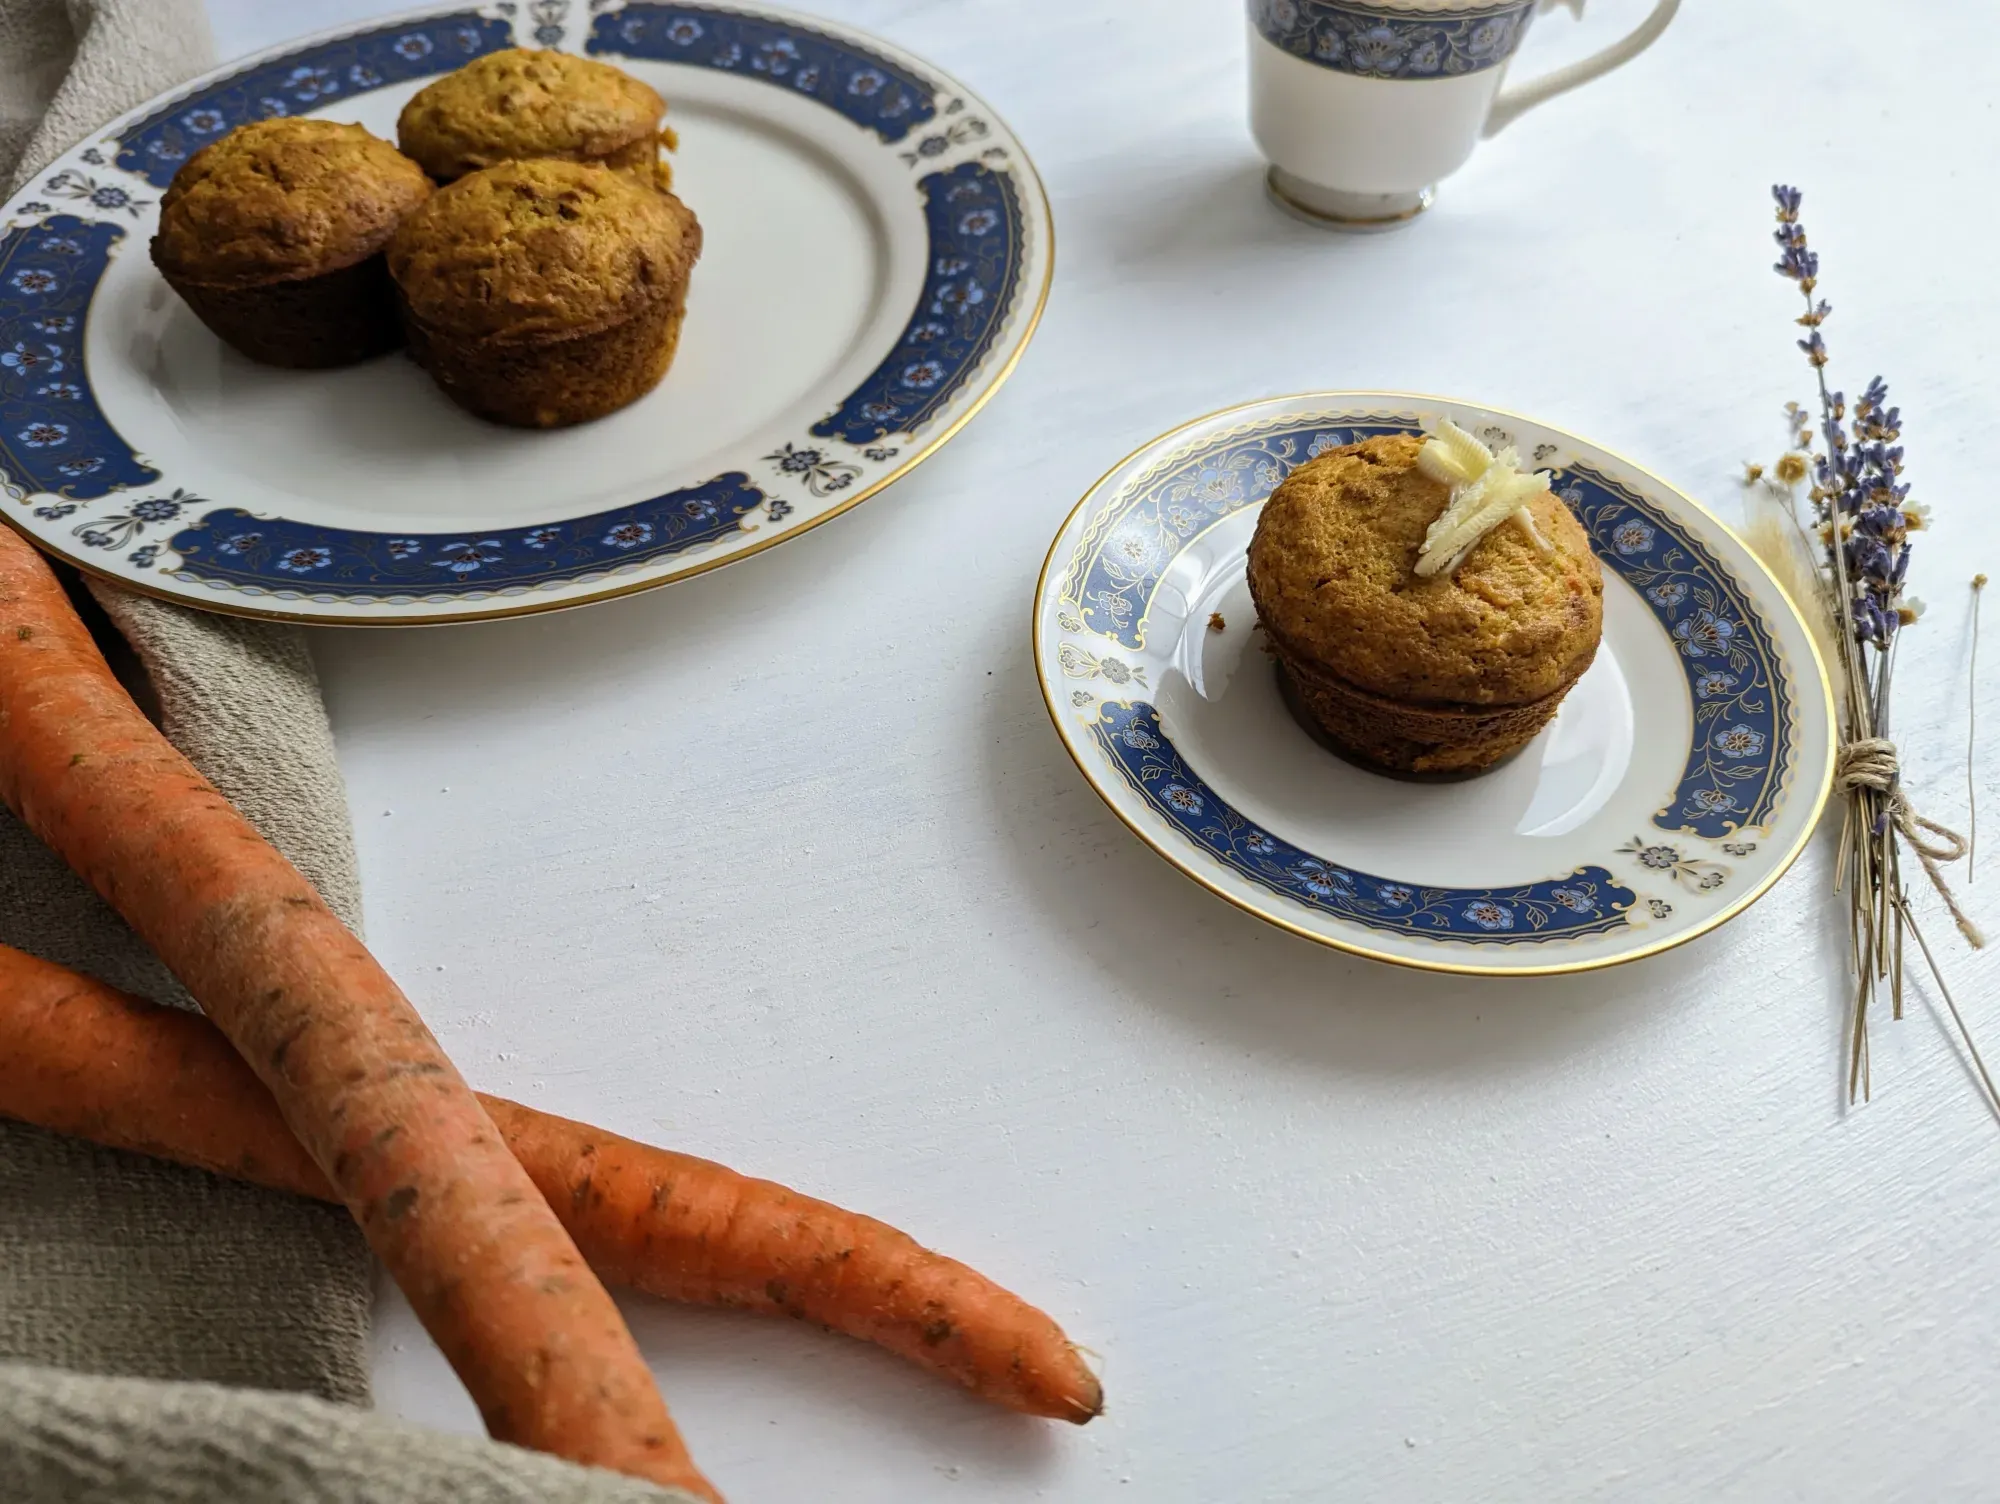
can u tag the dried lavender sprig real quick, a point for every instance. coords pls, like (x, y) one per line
(1858, 493)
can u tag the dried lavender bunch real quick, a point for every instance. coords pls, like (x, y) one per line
(1862, 519)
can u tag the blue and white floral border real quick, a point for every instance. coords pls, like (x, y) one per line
(304, 79)
(1743, 751)
(1588, 901)
(62, 454)
(1374, 41)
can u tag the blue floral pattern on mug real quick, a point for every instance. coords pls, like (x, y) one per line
(1371, 41)
(1586, 902)
(306, 80)
(873, 91)
(230, 547)
(53, 435)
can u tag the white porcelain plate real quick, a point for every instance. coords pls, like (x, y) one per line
(1683, 774)
(877, 248)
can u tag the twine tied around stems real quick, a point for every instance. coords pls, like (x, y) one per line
(1871, 764)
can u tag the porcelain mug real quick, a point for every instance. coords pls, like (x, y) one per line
(1361, 106)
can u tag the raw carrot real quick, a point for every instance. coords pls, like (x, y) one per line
(82, 1058)
(361, 1082)
(689, 1229)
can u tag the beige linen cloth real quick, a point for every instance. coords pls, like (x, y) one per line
(123, 1279)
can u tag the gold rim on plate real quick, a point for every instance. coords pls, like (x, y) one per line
(1157, 843)
(635, 587)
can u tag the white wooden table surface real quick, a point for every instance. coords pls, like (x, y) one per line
(784, 865)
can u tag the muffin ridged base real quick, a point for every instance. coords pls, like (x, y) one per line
(337, 318)
(1409, 738)
(557, 381)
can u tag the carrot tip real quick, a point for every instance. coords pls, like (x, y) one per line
(1087, 1411)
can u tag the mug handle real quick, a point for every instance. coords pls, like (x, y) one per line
(1515, 102)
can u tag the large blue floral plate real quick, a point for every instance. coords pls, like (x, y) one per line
(1682, 776)
(877, 251)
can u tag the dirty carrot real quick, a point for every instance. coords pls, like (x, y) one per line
(689, 1229)
(358, 1078)
(80, 1057)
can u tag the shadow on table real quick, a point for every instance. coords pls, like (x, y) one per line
(577, 653)
(1207, 967)
(1188, 223)
(819, 1385)
(751, 1394)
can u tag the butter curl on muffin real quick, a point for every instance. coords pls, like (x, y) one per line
(274, 236)
(544, 293)
(1440, 673)
(522, 103)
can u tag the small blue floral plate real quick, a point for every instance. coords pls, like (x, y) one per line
(877, 249)
(1683, 775)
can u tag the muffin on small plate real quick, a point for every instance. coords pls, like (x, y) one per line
(274, 236)
(1427, 618)
(544, 293)
(520, 103)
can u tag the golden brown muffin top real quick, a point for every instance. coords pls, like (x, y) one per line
(531, 249)
(525, 103)
(278, 199)
(1333, 570)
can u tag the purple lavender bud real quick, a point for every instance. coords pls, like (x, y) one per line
(1798, 263)
(1868, 559)
(1858, 492)
(1872, 623)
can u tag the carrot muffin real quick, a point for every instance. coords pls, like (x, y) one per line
(518, 103)
(545, 293)
(1427, 618)
(274, 236)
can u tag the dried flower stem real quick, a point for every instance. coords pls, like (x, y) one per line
(1909, 922)
(1863, 520)
(1972, 732)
